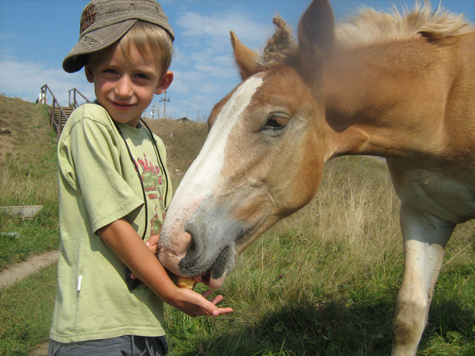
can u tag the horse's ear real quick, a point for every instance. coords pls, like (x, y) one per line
(316, 36)
(246, 59)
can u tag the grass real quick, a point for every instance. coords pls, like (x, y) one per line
(322, 282)
(35, 236)
(26, 309)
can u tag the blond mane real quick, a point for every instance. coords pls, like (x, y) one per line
(369, 27)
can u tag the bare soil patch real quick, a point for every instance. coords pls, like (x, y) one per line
(41, 350)
(18, 271)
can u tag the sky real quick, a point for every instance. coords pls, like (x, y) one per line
(36, 35)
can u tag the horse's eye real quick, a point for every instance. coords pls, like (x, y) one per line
(276, 123)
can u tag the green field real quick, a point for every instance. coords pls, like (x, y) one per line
(322, 282)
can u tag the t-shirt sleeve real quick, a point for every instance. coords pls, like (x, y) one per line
(96, 156)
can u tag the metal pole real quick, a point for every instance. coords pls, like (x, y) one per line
(164, 99)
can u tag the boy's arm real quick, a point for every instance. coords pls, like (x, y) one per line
(121, 237)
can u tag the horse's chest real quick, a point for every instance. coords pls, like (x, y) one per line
(446, 193)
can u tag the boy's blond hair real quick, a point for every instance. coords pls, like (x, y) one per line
(150, 40)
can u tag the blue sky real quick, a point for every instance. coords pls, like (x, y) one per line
(35, 35)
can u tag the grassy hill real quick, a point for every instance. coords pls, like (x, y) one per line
(322, 282)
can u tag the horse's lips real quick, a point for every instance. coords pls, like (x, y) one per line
(202, 278)
(208, 281)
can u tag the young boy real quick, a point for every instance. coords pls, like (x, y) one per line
(114, 189)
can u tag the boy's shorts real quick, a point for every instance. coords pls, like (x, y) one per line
(124, 345)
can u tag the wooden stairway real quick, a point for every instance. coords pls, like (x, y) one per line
(57, 113)
(59, 116)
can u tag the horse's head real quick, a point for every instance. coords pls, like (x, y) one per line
(263, 158)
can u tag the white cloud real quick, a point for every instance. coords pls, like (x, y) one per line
(216, 26)
(25, 78)
(215, 71)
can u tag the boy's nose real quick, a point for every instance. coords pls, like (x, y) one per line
(124, 87)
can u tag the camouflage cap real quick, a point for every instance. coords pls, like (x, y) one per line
(103, 22)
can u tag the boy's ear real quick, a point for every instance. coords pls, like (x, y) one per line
(164, 82)
(89, 73)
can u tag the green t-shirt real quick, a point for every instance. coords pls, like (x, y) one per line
(98, 184)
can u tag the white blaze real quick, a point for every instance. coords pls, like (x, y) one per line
(203, 173)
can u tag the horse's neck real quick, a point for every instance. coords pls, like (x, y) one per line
(387, 100)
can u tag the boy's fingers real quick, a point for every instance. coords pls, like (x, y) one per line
(207, 293)
(220, 311)
(216, 299)
(203, 306)
(225, 310)
(211, 306)
(152, 243)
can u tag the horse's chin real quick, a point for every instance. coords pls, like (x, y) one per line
(214, 283)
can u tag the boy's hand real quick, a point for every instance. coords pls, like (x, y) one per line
(152, 243)
(194, 304)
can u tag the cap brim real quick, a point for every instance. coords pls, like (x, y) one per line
(94, 41)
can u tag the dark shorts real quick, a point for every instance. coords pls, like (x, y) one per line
(119, 346)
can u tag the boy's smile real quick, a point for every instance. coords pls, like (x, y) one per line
(125, 84)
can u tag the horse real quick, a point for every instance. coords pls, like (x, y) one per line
(398, 85)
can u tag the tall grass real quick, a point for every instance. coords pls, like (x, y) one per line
(28, 161)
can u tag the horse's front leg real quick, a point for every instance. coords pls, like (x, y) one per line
(425, 237)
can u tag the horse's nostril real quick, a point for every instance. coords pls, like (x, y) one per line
(208, 249)
(193, 253)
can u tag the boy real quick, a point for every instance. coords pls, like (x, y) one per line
(114, 189)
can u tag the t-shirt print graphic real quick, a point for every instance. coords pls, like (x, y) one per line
(152, 183)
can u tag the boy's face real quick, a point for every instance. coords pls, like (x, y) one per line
(125, 86)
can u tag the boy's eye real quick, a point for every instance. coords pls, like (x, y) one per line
(143, 76)
(109, 71)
